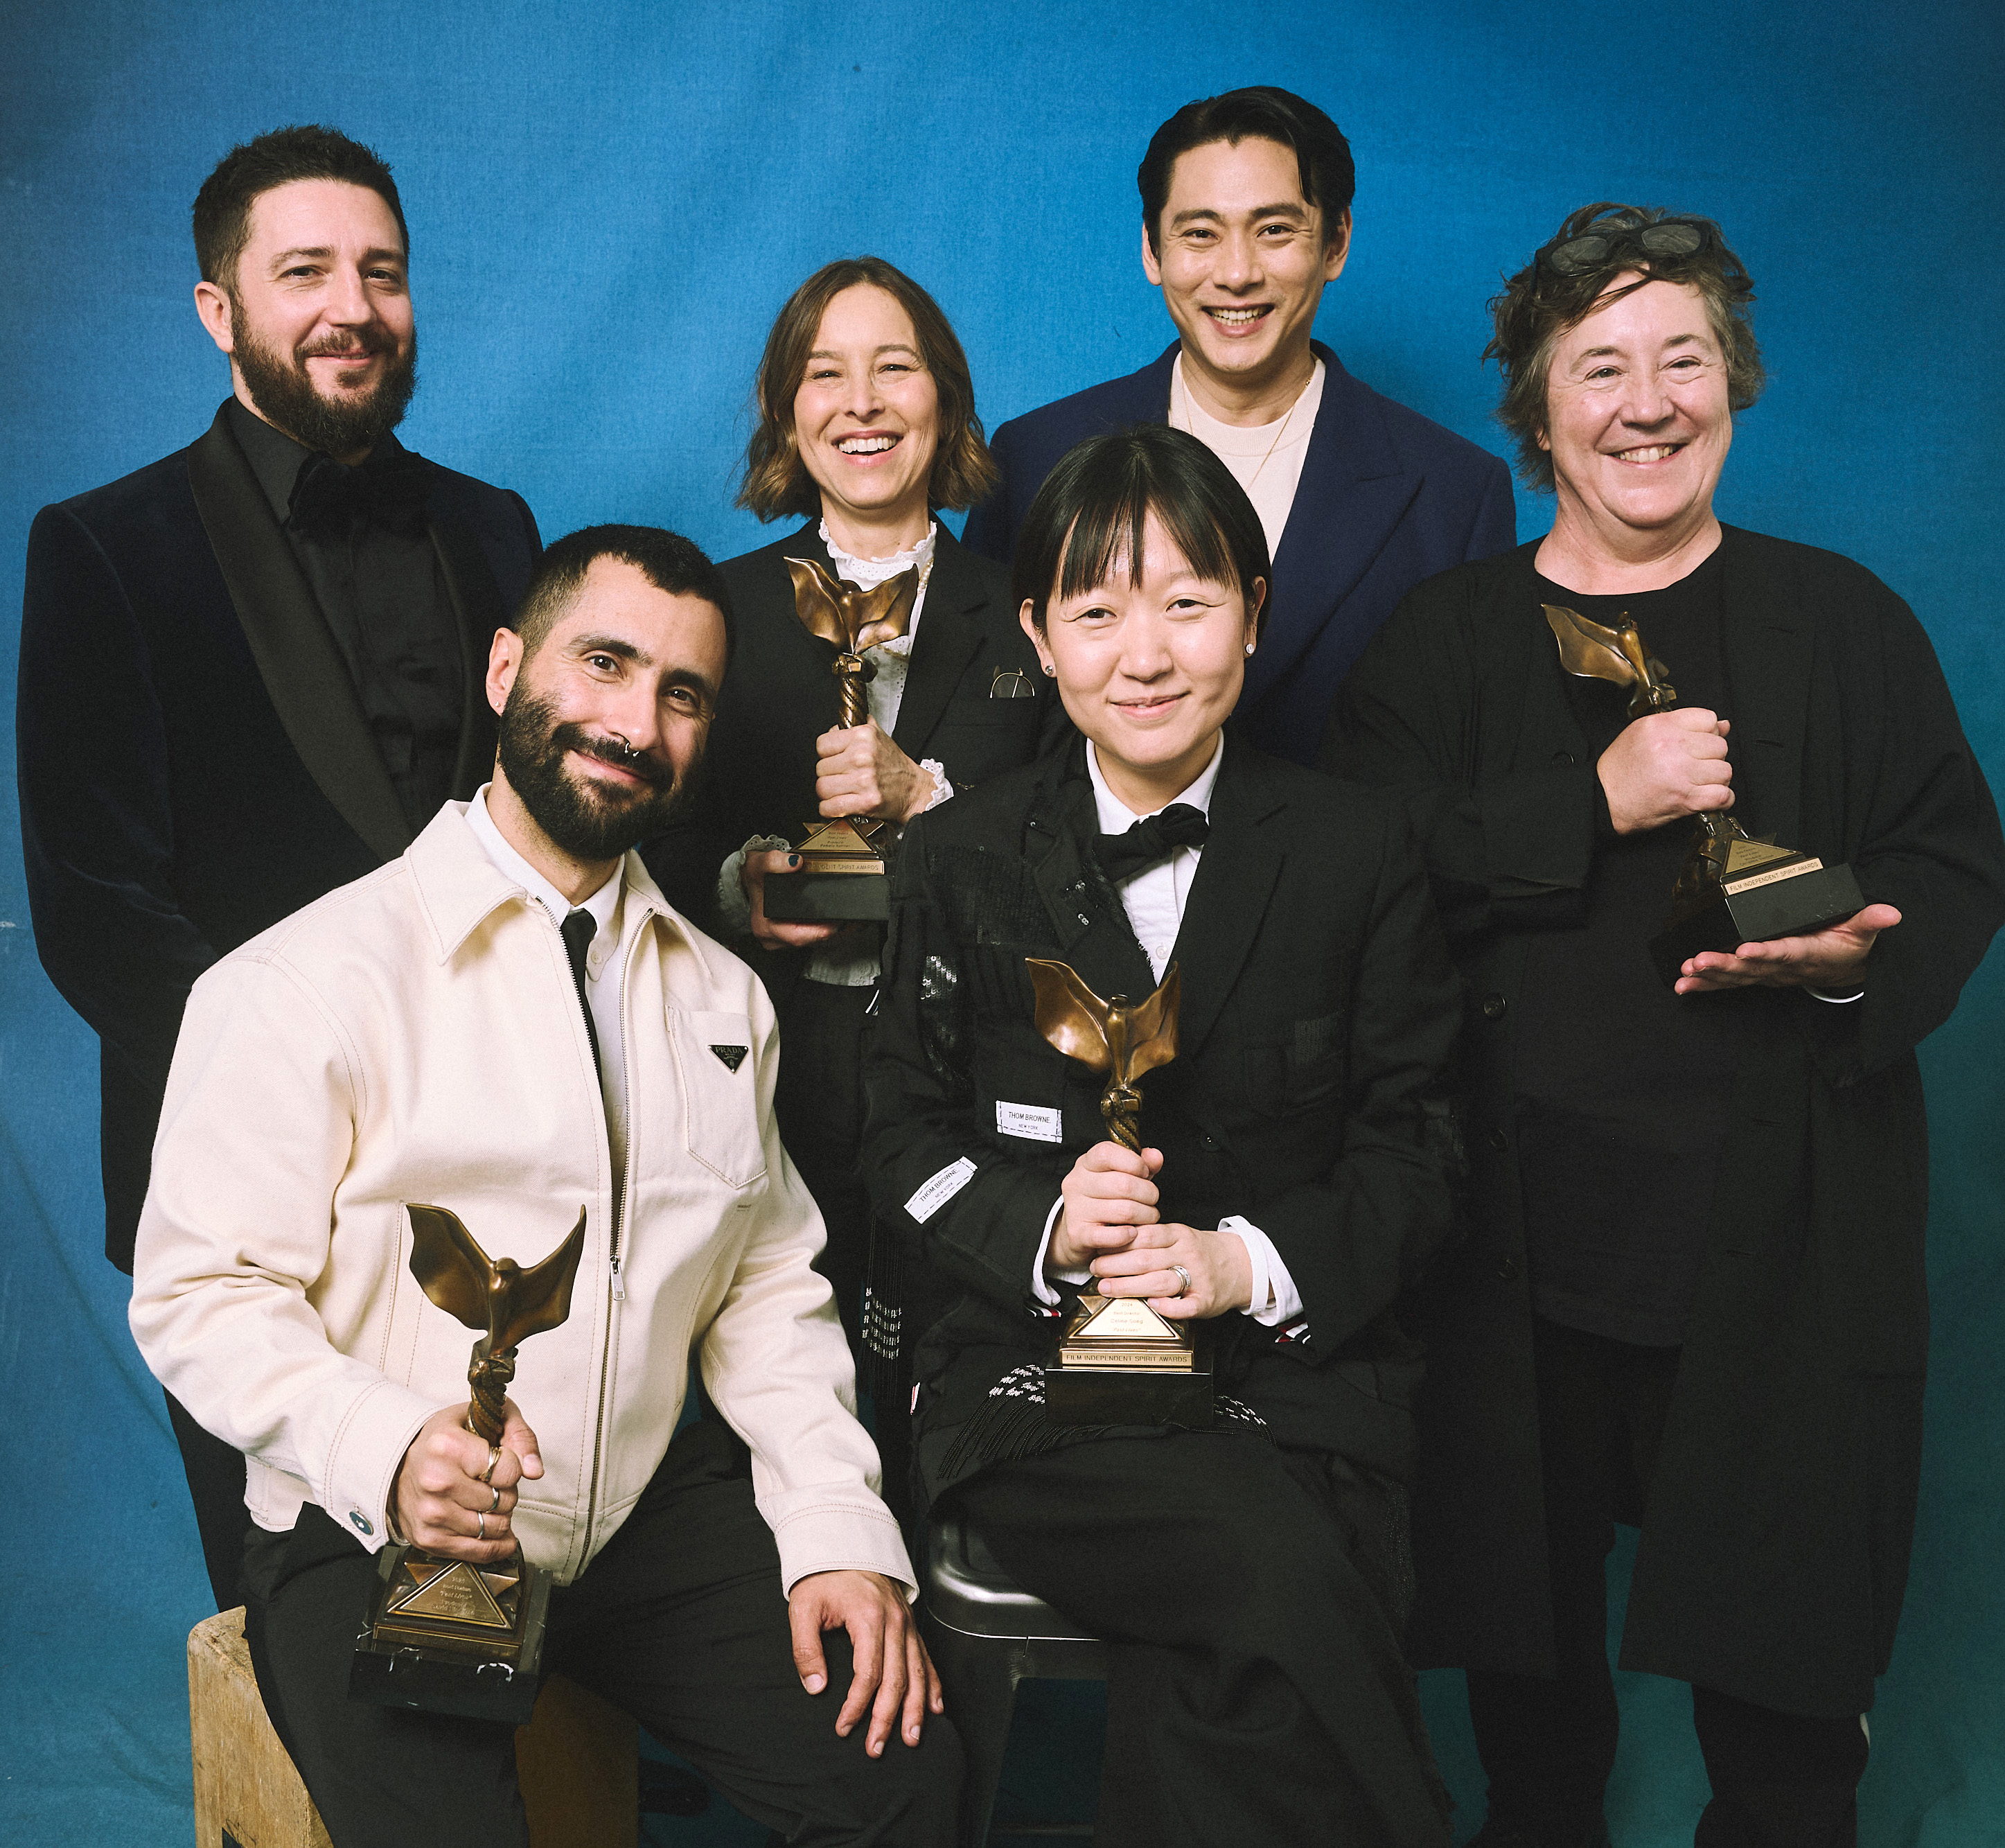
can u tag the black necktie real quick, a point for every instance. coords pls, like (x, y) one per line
(1122, 856)
(579, 929)
(390, 488)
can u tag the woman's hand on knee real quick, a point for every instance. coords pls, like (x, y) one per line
(894, 1681)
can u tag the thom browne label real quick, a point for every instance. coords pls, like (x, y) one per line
(941, 1188)
(1034, 1122)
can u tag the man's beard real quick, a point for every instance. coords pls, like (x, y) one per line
(284, 394)
(585, 820)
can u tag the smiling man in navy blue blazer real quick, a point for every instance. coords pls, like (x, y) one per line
(1245, 217)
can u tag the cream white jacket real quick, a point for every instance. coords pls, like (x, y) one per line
(417, 1037)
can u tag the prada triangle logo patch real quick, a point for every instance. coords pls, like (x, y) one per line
(733, 1056)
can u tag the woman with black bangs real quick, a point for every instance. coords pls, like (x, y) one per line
(1252, 1580)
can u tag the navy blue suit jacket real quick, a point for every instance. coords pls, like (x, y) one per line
(1387, 498)
(194, 764)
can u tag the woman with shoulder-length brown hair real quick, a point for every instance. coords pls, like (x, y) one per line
(866, 425)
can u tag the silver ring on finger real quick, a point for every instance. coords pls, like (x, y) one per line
(496, 1493)
(1184, 1276)
(494, 1457)
(482, 1532)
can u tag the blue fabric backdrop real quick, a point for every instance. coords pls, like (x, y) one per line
(609, 202)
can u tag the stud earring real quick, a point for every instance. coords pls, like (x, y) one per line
(1250, 648)
(1051, 672)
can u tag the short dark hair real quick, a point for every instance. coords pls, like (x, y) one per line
(307, 152)
(667, 560)
(1540, 303)
(1322, 156)
(1093, 506)
(776, 480)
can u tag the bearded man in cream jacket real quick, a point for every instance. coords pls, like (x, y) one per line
(510, 1021)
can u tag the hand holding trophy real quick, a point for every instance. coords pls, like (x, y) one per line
(1119, 1362)
(1731, 889)
(445, 1635)
(827, 889)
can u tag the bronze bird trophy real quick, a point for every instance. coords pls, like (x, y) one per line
(445, 1635)
(1119, 1362)
(1731, 889)
(840, 877)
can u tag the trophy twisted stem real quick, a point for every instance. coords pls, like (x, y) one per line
(1120, 1108)
(490, 1376)
(850, 672)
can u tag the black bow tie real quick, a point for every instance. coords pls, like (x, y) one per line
(1122, 856)
(388, 488)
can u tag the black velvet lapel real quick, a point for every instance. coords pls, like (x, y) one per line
(301, 667)
(1241, 860)
(478, 609)
(1767, 639)
(945, 645)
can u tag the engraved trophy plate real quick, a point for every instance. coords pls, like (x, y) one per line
(445, 1635)
(1731, 889)
(1119, 1362)
(841, 878)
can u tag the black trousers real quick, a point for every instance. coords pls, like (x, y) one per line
(1779, 1780)
(214, 1472)
(1256, 1691)
(819, 1102)
(678, 1621)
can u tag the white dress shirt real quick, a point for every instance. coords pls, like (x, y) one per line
(1265, 458)
(1154, 900)
(601, 973)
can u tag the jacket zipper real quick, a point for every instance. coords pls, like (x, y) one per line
(613, 1251)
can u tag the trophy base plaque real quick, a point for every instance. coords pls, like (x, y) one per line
(1767, 894)
(841, 877)
(1121, 1363)
(445, 1636)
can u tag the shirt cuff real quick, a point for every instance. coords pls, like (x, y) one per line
(734, 909)
(943, 789)
(1276, 1299)
(1041, 1287)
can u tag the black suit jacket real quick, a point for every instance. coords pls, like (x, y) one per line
(780, 694)
(194, 764)
(1386, 498)
(1318, 1011)
(1774, 1544)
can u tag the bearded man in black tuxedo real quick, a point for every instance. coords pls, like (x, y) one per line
(287, 624)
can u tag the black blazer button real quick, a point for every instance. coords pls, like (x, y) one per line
(1507, 1269)
(1563, 759)
(1498, 1140)
(1494, 1007)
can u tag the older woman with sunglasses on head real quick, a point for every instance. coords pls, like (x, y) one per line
(1249, 1578)
(1700, 1205)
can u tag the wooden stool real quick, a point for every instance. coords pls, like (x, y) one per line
(577, 1760)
